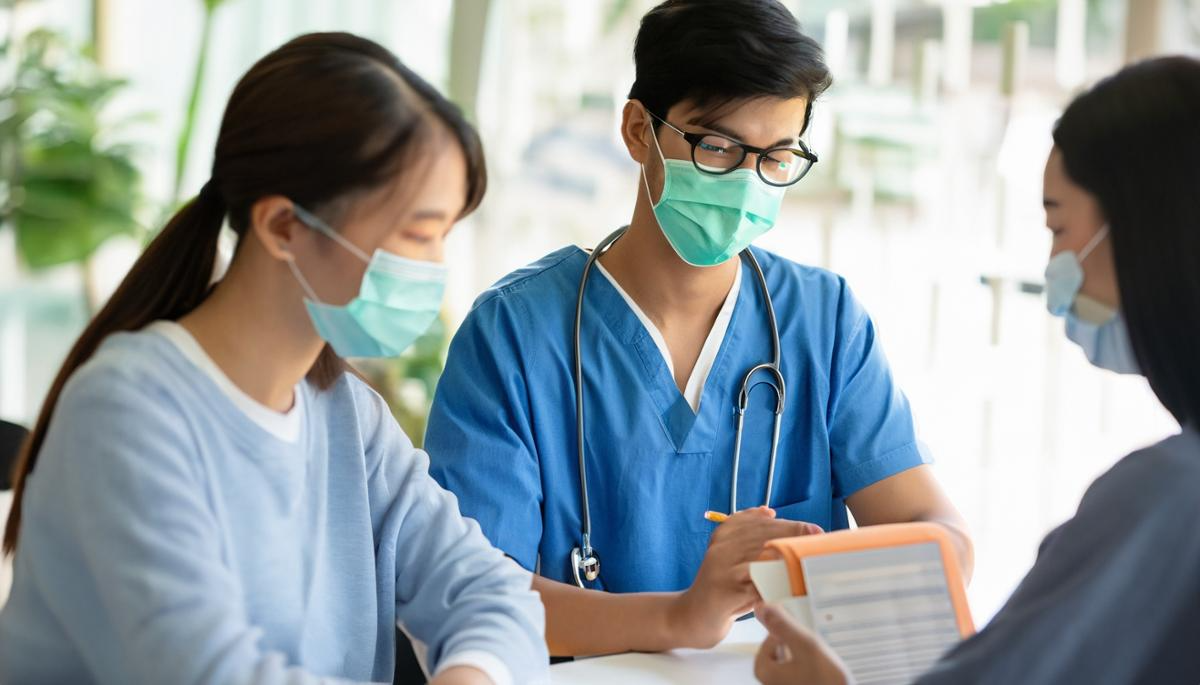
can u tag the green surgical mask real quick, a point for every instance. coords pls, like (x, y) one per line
(398, 300)
(709, 219)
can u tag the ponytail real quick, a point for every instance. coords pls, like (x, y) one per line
(367, 118)
(169, 280)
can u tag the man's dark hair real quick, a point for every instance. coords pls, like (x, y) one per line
(715, 52)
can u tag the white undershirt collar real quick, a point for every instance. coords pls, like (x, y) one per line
(285, 426)
(694, 389)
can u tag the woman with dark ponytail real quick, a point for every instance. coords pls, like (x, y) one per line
(208, 496)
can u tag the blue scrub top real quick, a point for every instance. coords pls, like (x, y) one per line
(502, 431)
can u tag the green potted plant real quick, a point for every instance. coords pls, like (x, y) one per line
(67, 181)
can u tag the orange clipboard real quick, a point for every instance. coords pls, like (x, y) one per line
(794, 550)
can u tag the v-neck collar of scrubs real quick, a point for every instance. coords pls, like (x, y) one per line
(693, 391)
(688, 431)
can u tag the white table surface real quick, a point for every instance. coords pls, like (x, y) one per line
(732, 661)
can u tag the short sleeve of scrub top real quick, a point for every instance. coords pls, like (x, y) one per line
(871, 434)
(480, 429)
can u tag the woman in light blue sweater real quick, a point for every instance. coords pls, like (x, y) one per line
(209, 496)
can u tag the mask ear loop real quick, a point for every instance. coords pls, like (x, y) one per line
(314, 222)
(658, 148)
(304, 285)
(1093, 243)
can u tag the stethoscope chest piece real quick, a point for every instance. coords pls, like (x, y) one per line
(586, 569)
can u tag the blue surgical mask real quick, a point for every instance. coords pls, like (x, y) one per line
(398, 301)
(1064, 276)
(1097, 328)
(1105, 342)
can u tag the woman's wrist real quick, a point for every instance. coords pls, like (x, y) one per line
(461, 675)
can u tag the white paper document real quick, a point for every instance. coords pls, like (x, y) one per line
(771, 580)
(887, 612)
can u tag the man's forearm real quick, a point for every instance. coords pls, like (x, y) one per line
(588, 622)
(962, 543)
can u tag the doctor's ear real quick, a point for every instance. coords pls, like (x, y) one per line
(275, 225)
(635, 131)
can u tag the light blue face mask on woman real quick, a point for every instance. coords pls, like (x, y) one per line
(1095, 327)
(398, 301)
(708, 219)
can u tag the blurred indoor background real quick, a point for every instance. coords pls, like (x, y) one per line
(927, 197)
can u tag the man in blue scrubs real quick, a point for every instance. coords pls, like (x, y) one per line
(673, 318)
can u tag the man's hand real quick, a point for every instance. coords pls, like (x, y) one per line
(722, 590)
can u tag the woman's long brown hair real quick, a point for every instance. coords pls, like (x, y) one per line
(323, 116)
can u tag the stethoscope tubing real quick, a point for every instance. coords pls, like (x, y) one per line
(584, 558)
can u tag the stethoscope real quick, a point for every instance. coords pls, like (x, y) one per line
(585, 562)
